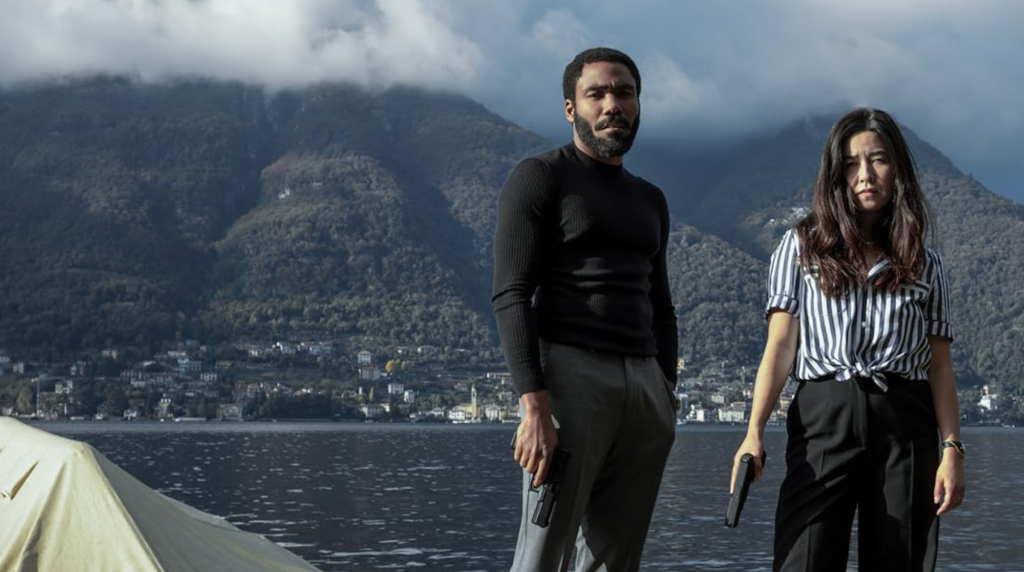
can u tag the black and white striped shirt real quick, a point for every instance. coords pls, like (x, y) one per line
(865, 332)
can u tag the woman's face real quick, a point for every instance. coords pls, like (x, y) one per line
(868, 172)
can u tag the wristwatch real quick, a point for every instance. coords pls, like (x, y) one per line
(958, 445)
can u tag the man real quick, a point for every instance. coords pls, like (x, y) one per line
(587, 325)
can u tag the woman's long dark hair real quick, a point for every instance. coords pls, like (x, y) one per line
(832, 241)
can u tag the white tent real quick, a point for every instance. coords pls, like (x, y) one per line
(64, 507)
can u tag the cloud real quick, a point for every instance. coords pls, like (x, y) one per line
(711, 69)
(560, 32)
(277, 44)
(671, 94)
(718, 70)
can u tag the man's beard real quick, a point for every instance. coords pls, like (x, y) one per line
(615, 145)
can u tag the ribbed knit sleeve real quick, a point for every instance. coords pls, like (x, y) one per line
(523, 221)
(663, 323)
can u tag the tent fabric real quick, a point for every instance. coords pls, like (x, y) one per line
(65, 507)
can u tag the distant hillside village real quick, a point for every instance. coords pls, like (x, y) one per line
(306, 380)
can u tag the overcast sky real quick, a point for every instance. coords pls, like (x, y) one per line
(948, 69)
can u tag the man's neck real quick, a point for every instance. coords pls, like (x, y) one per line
(616, 161)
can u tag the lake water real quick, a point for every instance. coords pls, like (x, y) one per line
(446, 497)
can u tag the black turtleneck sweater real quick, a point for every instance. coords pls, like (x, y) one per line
(579, 259)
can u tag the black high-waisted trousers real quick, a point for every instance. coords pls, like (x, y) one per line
(853, 447)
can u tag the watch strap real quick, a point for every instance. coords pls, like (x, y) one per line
(958, 445)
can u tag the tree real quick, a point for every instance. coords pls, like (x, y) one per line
(115, 400)
(26, 400)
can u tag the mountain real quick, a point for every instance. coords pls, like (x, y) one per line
(219, 211)
(372, 220)
(718, 294)
(113, 194)
(137, 214)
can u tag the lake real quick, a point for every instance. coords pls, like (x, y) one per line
(350, 496)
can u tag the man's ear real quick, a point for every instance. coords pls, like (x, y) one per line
(570, 111)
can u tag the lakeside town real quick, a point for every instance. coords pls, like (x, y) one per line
(309, 381)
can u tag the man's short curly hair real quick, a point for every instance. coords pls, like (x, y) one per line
(574, 70)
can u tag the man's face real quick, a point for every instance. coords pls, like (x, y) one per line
(606, 113)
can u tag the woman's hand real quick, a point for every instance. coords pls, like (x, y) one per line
(753, 445)
(776, 362)
(949, 481)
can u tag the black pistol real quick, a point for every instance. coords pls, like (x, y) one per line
(744, 477)
(549, 488)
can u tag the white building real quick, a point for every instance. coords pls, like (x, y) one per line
(437, 413)
(187, 366)
(502, 377)
(364, 358)
(698, 414)
(319, 348)
(494, 413)
(230, 412)
(396, 388)
(257, 352)
(988, 401)
(733, 413)
(372, 411)
(369, 373)
(285, 349)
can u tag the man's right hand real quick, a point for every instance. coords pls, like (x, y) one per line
(536, 437)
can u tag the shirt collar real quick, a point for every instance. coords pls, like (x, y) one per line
(881, 264)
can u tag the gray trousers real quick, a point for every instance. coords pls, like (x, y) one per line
(617, 418)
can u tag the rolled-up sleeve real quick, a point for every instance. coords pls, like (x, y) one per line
(784, 281)
(936, 306)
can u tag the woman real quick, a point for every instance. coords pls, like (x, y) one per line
(857, 314)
